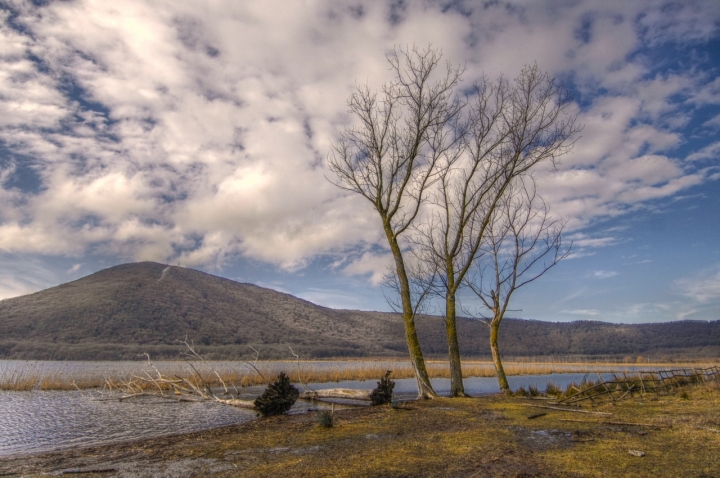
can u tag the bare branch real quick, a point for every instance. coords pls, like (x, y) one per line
(391, 158)
(522, 243)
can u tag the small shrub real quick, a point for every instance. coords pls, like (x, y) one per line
(572, 389)
(325, 419)
(685, 396)
(383, 393)
(553, 390)
(278, 397)
(533, 391)
(521, 392)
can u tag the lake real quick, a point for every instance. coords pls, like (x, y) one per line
(37, 421)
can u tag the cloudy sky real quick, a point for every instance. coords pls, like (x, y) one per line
(197, 132)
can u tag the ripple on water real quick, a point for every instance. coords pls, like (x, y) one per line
(38, 421)
(44, 420)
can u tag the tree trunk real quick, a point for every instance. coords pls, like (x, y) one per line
(425, 389)
(502, 379)
(457, 389)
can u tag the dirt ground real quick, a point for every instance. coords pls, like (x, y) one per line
(676, 435)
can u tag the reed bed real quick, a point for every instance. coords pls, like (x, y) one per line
(43, 376)
(26, 376)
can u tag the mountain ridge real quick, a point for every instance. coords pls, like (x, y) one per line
(127, 310)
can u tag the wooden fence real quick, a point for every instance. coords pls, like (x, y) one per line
(663, 381)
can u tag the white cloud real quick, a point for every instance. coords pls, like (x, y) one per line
(579, 255)
(713, 123)
(703, 288)
(192, 132)
(584, 240)
(711, 151)
(588, 312)
(604, 274)
(333, 298)
(23, 275)
(374, 265)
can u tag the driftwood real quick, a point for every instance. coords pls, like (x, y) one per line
(278, 398)
(536, 415)
(379, 396)
(236, 402)
(346, 393)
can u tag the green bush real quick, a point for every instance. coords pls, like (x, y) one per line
(325, 419)
(383, 393)
(278, 397)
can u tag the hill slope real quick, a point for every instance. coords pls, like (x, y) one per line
(123, 311)
(150, 304)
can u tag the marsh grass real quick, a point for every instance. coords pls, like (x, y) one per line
(324, 419)
(31, 375)
(552, 390)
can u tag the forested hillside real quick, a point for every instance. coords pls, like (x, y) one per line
(124, 311)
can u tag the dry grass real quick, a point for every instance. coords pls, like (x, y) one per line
(45, 376)
(42, 376)
(464, 437)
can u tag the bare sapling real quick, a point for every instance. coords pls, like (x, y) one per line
(390, 158)
(506, 129)
(522, 243)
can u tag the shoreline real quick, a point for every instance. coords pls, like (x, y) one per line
(39, 375)
(677, 433)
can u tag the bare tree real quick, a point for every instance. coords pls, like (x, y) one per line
(522, 243)
(390, 158)
(509, 128)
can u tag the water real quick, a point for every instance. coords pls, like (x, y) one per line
(49, 420)
(40, 421)
(406, 388)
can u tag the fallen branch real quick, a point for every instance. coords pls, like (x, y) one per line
(536, 415)
(90, 470)
(624, 424)
(278, 398)
(602, 414)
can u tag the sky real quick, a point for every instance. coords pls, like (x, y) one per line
(197, 133)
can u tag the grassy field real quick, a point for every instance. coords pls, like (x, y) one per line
(38, 375)
(676, 434)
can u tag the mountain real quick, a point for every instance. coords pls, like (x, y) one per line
(130, 309)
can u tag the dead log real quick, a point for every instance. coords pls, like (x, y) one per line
(235, 402)
(346, 393)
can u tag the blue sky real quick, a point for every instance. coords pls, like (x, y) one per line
(197, 132)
